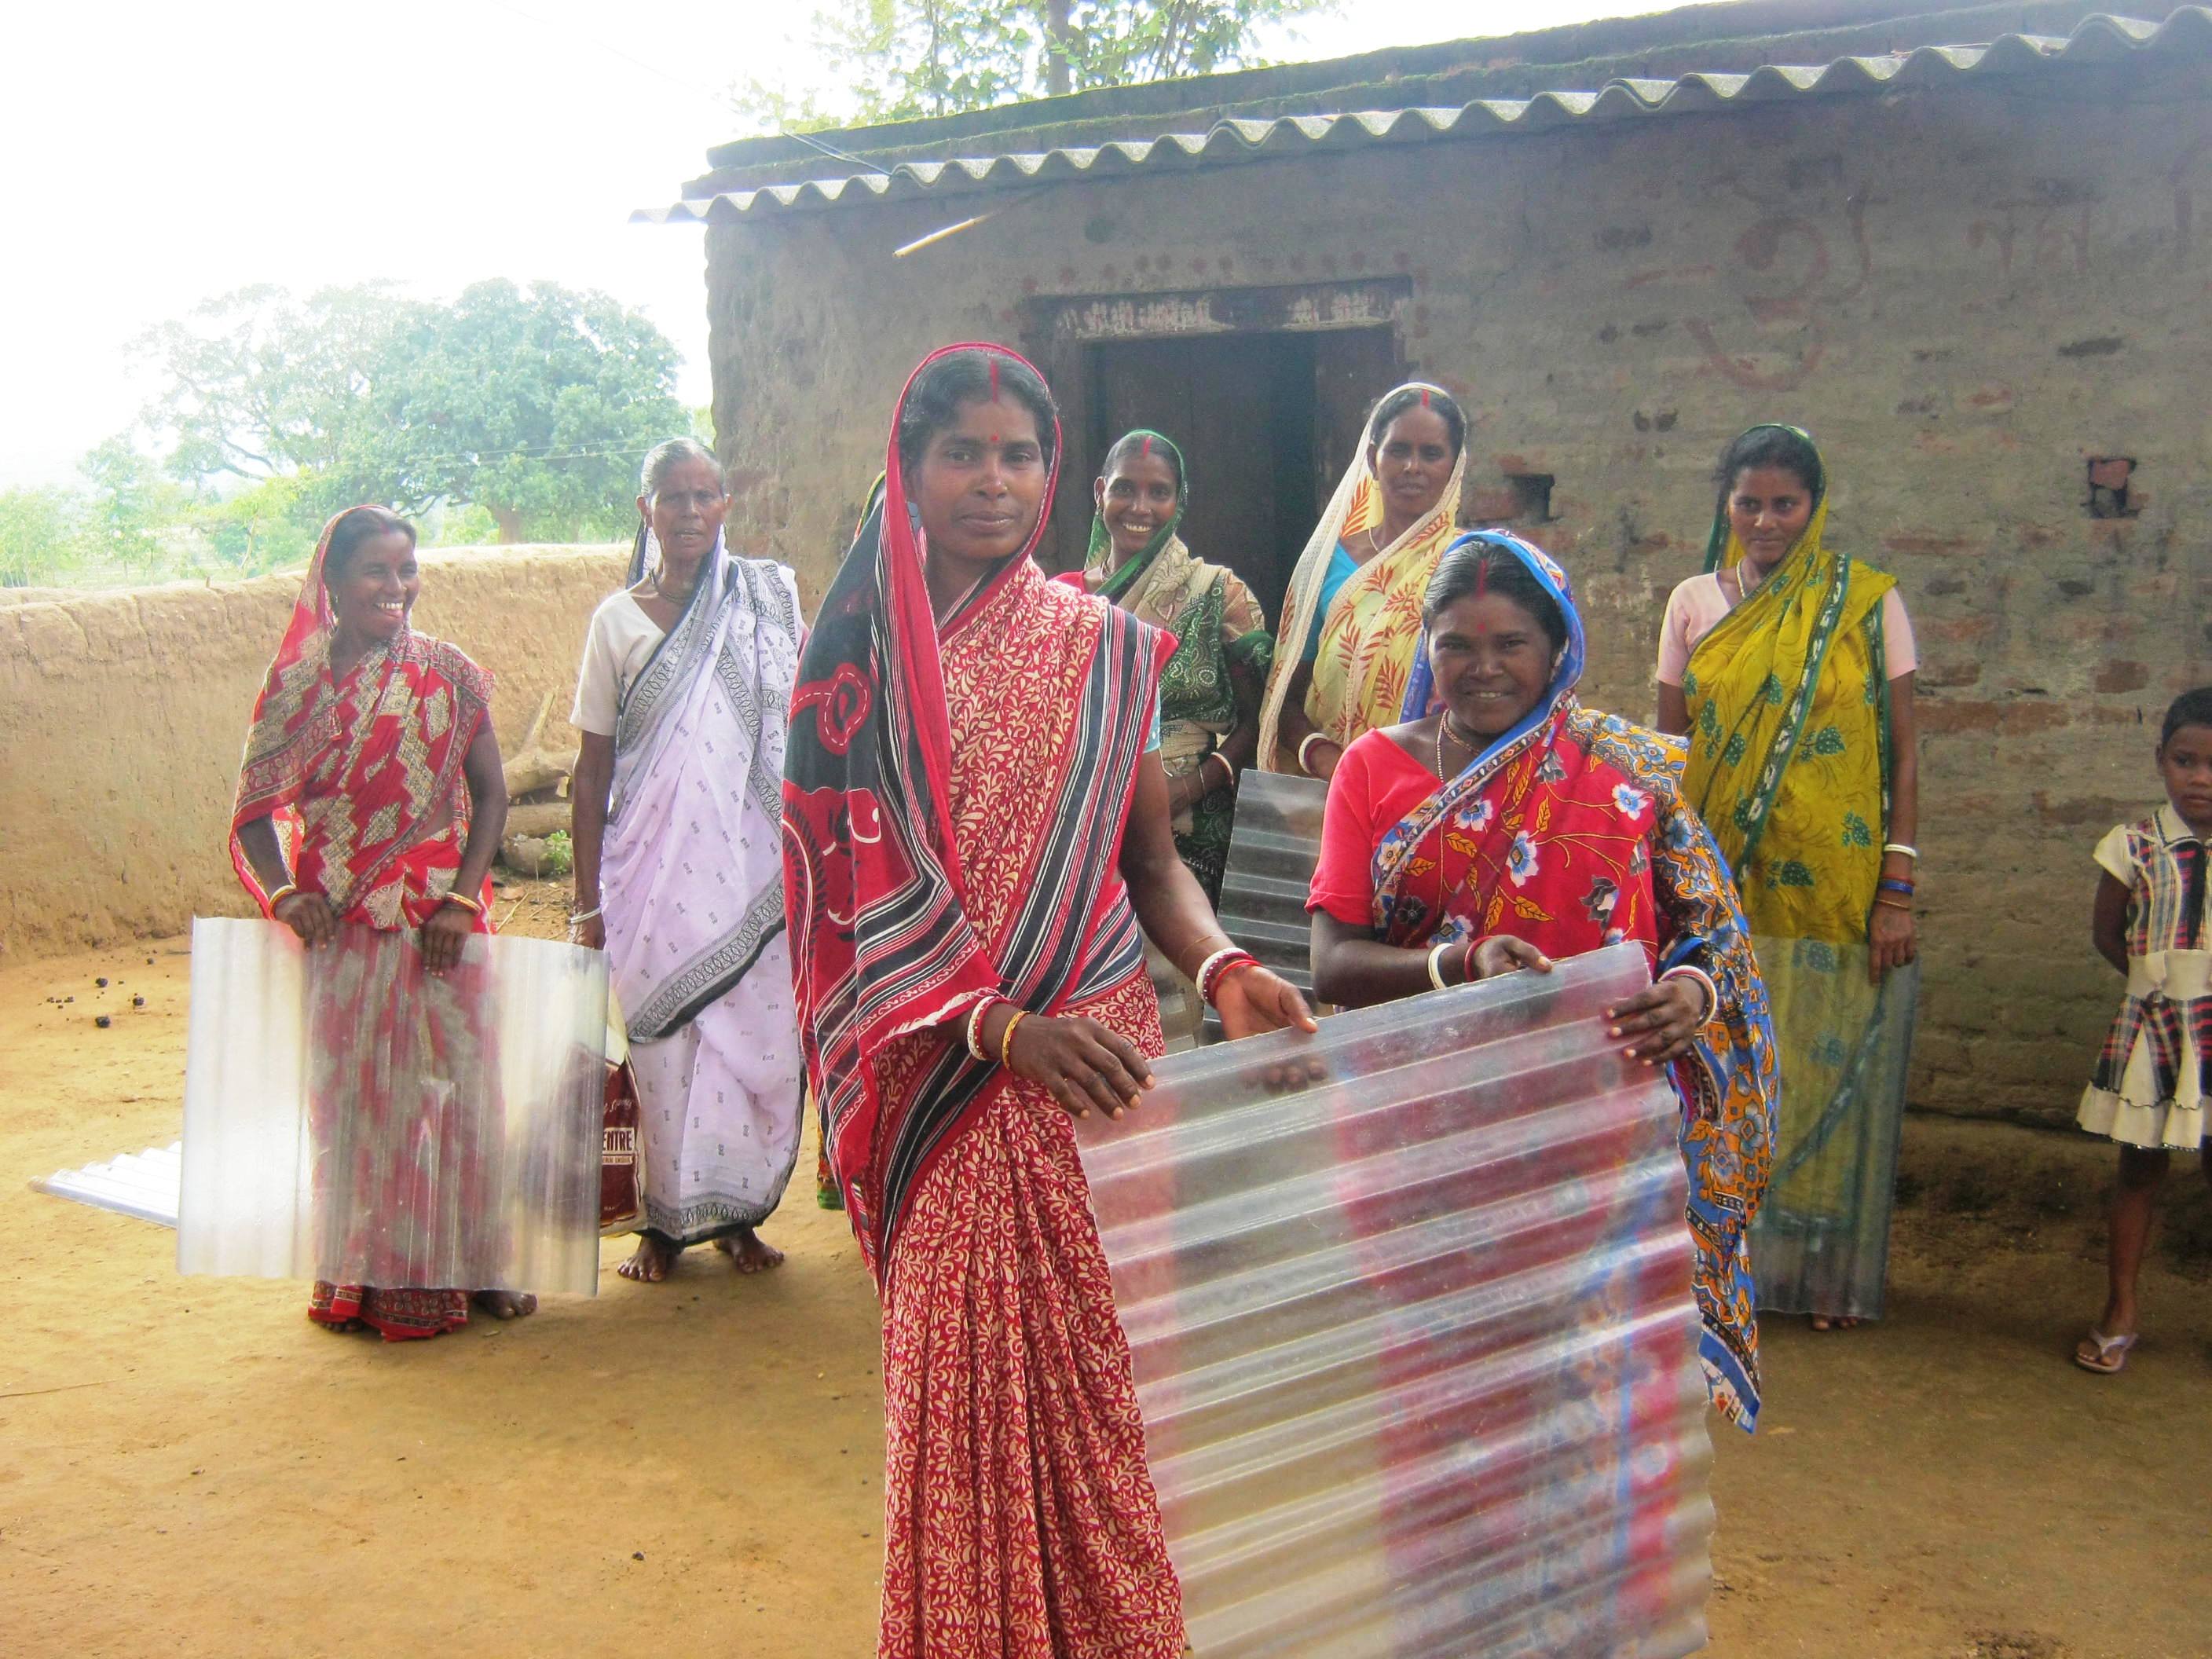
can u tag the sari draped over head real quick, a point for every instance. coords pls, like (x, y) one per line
(1789, 763)
(360, 773)
(1570, 832)
(361, 776)
(691, 879)
(1220, 632)
(1367, 638)
(955, 794)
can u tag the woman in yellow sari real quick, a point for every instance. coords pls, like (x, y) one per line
(1352, 619)
(1789, 667)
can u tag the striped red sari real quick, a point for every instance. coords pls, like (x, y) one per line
(954, 804)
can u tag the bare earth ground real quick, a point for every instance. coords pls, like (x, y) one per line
(188, 1467)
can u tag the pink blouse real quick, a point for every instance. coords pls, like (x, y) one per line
(1697, 606)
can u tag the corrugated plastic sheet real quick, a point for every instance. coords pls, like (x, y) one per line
(2098, 39)
(139, 1184)
(1410, 1308)
(350, 1117)
(1272, 853)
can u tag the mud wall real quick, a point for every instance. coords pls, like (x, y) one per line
(1969, 294)
(123, 712)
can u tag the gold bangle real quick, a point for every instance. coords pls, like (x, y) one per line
(1006, 1038)
(1894, 904)
(280, 894)
(465, 901)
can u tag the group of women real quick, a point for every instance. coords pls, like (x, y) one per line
(914, 856)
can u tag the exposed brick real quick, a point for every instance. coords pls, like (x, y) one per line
(1949, 673)
(2017, 718)
(1923, 546)
(2122, 676)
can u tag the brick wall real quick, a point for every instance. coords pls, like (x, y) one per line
(1967, 295)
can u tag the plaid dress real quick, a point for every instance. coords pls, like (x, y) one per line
(2155, 1068)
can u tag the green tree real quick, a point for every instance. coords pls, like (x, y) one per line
(39, 538)
(897, 59)
(535, 406)
(127, 505)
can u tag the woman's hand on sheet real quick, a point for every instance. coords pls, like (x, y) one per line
(1661, 1021)
(1502, 953)
(591, 934)
(443, 936)
(1081, 1063)
(1893, 940)
(309, 916)
(1252, 1000)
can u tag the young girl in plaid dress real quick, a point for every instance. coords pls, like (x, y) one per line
(2155, 1070)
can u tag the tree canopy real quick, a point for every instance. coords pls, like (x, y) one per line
(534, 404)
(896, 59)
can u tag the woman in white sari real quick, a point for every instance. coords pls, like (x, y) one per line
(682, 703)
(1352, 619)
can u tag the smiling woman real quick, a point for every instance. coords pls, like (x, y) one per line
(1511, 826)
(1210, 690)
(372, 796)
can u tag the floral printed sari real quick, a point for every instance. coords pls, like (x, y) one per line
(1570, 832)
(1371, 631)
(361, 776)
(954, 797)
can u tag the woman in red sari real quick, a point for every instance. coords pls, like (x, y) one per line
(1502, 824)
(975, 828)
(371, 795)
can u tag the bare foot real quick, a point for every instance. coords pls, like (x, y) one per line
(506, 1304)
(1834, 1322)
(749, 1252)
(654, 1257)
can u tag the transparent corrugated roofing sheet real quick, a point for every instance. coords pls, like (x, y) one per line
(140, 1184)
(1410, 1308)
(2099, 39)
(350, 1117)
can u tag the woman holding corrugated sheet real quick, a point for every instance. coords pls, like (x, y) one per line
(372, 796)
(975, 827)
(1500, 825)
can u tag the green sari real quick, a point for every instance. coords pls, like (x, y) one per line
(1219, 631)
(1790, 766)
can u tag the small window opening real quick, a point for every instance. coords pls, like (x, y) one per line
(1532, 495)
(2111, 479)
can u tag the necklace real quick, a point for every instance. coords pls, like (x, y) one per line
(1443, 724)
(679, 600)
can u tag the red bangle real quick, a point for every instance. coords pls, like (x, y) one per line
(1218, 966)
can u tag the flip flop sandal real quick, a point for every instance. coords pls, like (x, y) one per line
(2112, 1353)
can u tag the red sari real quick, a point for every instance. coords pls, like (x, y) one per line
(954, 803)
(361, 776)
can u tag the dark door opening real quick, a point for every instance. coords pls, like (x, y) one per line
(1266, 423)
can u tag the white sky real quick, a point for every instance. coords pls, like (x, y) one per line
(157, 152)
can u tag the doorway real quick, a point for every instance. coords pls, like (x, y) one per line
(1241, 409)
(1267, 405)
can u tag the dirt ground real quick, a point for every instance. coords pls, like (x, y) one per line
(191, 1468)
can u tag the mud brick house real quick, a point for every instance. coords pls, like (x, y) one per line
(1971, 250)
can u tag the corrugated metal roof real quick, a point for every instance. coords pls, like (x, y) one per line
(2099, 40)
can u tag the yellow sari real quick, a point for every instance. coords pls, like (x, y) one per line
(1374, 623)
(1790, 766)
